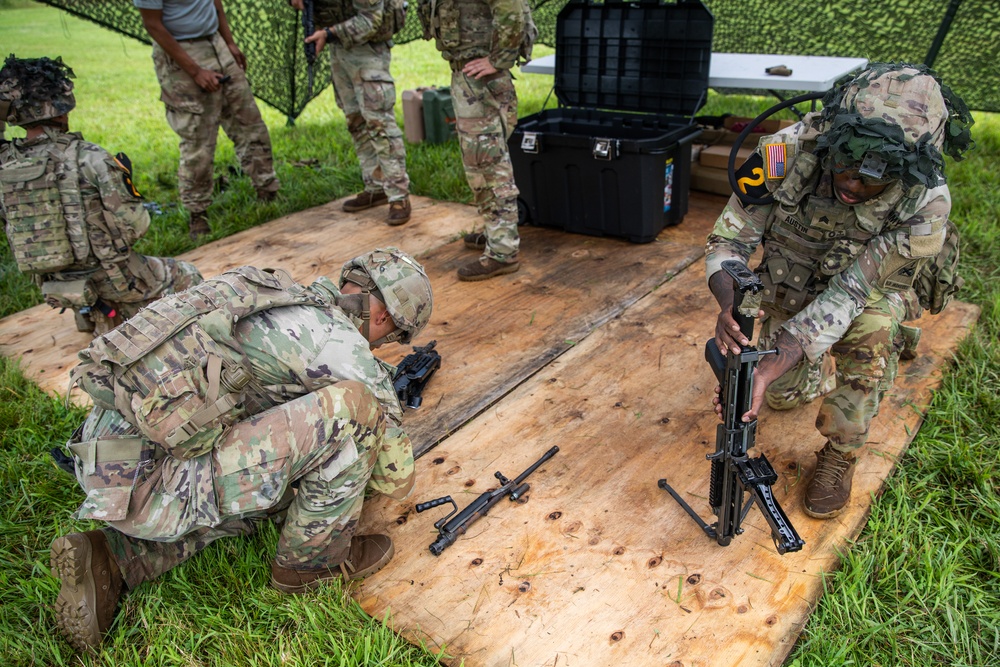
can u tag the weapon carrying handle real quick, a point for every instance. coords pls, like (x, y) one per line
(430, 504)
(744, 281)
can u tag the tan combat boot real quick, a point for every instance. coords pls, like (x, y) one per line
(91, 587)
(484, 268)
(399, 212)
(365, 200)
(368, 555)
(830, 486)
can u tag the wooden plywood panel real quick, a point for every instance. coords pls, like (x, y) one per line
(600, 566)
(306, 244)
(568, 284)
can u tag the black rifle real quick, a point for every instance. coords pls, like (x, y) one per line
(734, 474)
(448, 531)
(309, 27)
(413, 373)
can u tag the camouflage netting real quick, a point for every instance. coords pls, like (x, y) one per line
(270, 33)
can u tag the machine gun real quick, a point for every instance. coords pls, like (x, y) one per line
(413, 373)
(309, 27)
(448, 531)
(734, 474)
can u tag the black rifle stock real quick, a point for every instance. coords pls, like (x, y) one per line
(733, 473)
(449, 530)
(413, 373)
(309, 27)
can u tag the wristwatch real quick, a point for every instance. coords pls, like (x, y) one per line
(330, 37)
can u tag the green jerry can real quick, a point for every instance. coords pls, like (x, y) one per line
(439, 116)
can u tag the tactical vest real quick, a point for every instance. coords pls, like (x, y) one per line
(41, 200)
(176, 371)
(463, 29)
(337, 11)
(813, 237)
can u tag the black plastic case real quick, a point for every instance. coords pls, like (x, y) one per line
(616, 159)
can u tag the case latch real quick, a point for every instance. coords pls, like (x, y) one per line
(531, 142)
(605, 149)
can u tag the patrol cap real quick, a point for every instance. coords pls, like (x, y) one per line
(35, 89)
(398, 281)
(899, 117)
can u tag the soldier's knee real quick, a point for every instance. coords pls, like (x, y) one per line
(351, 400)
(355, 122)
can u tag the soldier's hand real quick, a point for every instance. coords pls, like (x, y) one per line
(727, 333)
(318, 38)
(296, 4)
(479, 68)
(207, 80)
(717, 401)
(238, 56)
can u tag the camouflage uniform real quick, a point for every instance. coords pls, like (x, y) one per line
(838, 278)
(365, 90)
(195, 115)
(104, 267)
(486, 108)
(333, 432)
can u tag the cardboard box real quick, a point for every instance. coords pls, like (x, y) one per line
(727, 135)
(717, 157)
(707, 179)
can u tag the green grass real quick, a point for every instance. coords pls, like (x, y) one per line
(918, 587)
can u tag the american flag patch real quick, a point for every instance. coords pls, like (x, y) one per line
(775, 154)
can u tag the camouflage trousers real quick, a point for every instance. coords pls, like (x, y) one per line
(485, 116)
(135, 283)
(366, 92)
(852, 377)
(196, 115)
(305, 463)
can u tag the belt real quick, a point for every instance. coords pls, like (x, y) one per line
(197, 39)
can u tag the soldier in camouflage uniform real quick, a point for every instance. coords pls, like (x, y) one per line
(359, 34)
(318, 425)
(854, 244)
(72, 212)
(203, 85)
(482, 40)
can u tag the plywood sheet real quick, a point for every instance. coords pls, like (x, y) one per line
(600, 566)
(306, 244)
(491, 334)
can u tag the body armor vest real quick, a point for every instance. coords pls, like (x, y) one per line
(40, 193)
(176, 370)
(814, 237)
(332, 12)
(463, 29)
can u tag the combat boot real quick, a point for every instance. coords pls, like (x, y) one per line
(91, 587)
(830, 487)
(266, 196)
(365, 200)
(368, 555)
(399, 212)
(198, 225)
(484, 268)
(475, 241)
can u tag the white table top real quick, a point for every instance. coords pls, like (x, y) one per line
(746, 70)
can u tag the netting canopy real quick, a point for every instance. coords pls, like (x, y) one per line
(960, 38)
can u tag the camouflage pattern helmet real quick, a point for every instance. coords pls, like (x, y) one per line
(35, 89)
(398, 281)
(899, 118)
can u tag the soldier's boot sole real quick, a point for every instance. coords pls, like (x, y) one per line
(71, 559)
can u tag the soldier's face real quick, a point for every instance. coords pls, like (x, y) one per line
(852, 189)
